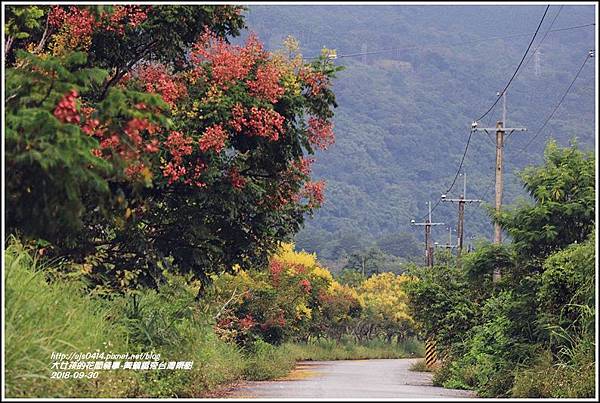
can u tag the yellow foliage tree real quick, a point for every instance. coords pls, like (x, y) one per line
(385, 306)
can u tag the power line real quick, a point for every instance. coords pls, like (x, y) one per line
(492, 107)
(587, 57)
(518, 67)
(374, 52)
(462, 160)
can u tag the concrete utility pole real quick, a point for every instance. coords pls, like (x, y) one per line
(428, 247)
(500, 132)
(461, 215)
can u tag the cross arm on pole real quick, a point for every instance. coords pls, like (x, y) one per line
(500, 129)
(462, 200)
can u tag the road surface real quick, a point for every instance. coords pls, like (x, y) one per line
(349, 379)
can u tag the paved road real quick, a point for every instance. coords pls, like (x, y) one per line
(349, 379)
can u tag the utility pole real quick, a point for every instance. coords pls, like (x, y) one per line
(447, 245)
(501, 130)
(461, 215)
(428, 247)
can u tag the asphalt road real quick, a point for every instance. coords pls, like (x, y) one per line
(367, 379)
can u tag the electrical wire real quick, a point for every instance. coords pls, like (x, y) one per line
(489, 110)
(537, 133)
(462, 160)
(518, 67)
(374, 52)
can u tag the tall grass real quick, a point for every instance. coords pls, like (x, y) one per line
(326, 349)
(265, 361)
(42, 319)
(420, 366)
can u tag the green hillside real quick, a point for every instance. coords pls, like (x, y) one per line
(404, 115)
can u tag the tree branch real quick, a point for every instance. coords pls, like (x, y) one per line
(9, 42)
(233, 295)
(45, 35)
(122, 70)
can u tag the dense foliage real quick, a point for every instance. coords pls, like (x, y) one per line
(499, 338)
(298, 299)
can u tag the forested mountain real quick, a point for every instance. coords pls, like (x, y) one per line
(404, 114)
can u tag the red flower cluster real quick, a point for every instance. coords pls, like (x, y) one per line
(320, 133)
(302, 166)
(152, 146)
(110, 142)
(173, 172)
(266, 86)
(195, 180)
(79, 22)
(155, 80)
(91, 127)
(316, 81)
(213, 138)
(179, 146)
(123, 16)
(305, 284)
(142, 140)
(260, 122)
(66, 109)
(275, 267)
(265, 123)
(136, 126)
(238, 121)
(228, 62)
(247, 322)
(236, 179)
(313, 191)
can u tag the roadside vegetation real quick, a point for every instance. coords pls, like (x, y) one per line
(532, 333)
(50, 309)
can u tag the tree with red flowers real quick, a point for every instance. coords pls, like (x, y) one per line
(138, 135)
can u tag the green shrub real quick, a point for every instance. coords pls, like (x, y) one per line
(494, 347)
(265, 361)
(567, 287)
(170, 322)
(441, 302)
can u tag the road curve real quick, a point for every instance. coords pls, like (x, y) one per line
(367, 379)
